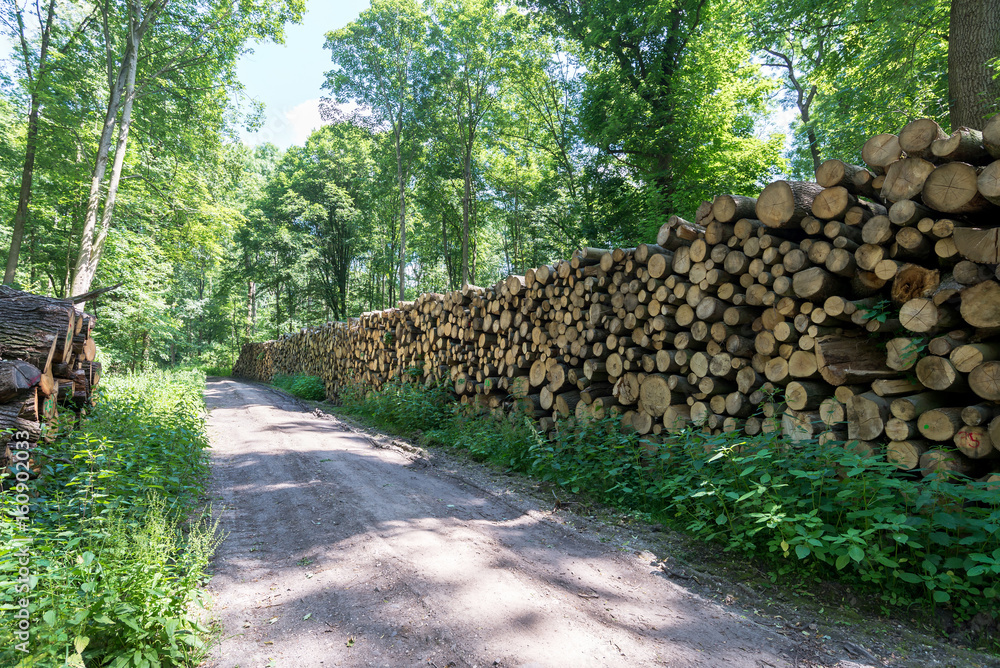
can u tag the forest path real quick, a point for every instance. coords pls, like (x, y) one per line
(341, 553)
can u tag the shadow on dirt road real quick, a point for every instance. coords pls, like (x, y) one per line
(340, 553)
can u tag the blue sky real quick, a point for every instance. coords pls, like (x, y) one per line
(288, 77)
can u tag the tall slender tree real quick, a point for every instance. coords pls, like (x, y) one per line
(195, 46)
(377, 63)
(35, 64)
(473, 50)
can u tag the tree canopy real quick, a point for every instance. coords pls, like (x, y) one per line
(464, 140)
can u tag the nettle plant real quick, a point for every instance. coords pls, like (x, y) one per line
(119, 544)
(822, 511)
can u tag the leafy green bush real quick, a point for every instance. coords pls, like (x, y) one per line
(833, 511)
(115, 550)
(219, 371)
(819, 510)
(403, 407)
(434, 416)
(301, 386)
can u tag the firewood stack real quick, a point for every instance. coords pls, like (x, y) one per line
(861, 308)
(47, 367)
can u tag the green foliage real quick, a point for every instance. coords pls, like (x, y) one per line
(400, 406)
(821, 51)
(435, 418)
(116, 566)
(818, 510)
(301, 386)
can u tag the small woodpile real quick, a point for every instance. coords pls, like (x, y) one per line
(47, 369)
(863, 308)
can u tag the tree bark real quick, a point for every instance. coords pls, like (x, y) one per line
(973, 38)
(402, 208)
(31, 142)
(87, 251)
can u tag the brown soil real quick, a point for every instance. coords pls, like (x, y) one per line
(345, 547)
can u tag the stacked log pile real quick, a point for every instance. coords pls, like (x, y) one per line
(862, 308)
(47, 370)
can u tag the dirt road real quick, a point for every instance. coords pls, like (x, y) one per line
(341, 553)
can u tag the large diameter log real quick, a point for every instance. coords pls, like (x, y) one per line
(11, 423)
(815, 284)
(34, 328)
(519, 387)
(677, 232)
(917, 137)
(881, 151)
(906, 212)
(833, 173)
(914, 281)
(985, 380)
(566, 402)
(676, 417)
(730, 208)
(16, 378)
(922, 315)
(944, 462)
(800, 425)
(905, 455)
(833, 203)
(909, 408)
(940, 424)
(953, 188)
(627, 389)
(963, 145)
(537, 374)
(871, 413)
(938, 373)
(988, 182)
(901, 430)
(905, 179)
(805, 395)
(975, 442)
(902, 353)
(967, 357)
(994, 430)
(784, 204)
(978, 245)
(991, 136)
(654, 393)
(979, 414)
(847, 360)
(981, 304)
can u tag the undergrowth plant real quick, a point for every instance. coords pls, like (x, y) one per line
(117, 547)
(301, 386)
(822, 511)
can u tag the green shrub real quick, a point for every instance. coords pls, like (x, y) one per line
(117, 567)
(301, 386)
(819, 510)
(401, 406)
(219, 371)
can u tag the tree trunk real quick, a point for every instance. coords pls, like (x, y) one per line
(974, 33)
(31, 141)
(80, 285)
(402, 212)
(466, 204)
(24, 198)
(85, 259)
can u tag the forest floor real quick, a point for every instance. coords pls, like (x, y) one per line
(347, 547)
